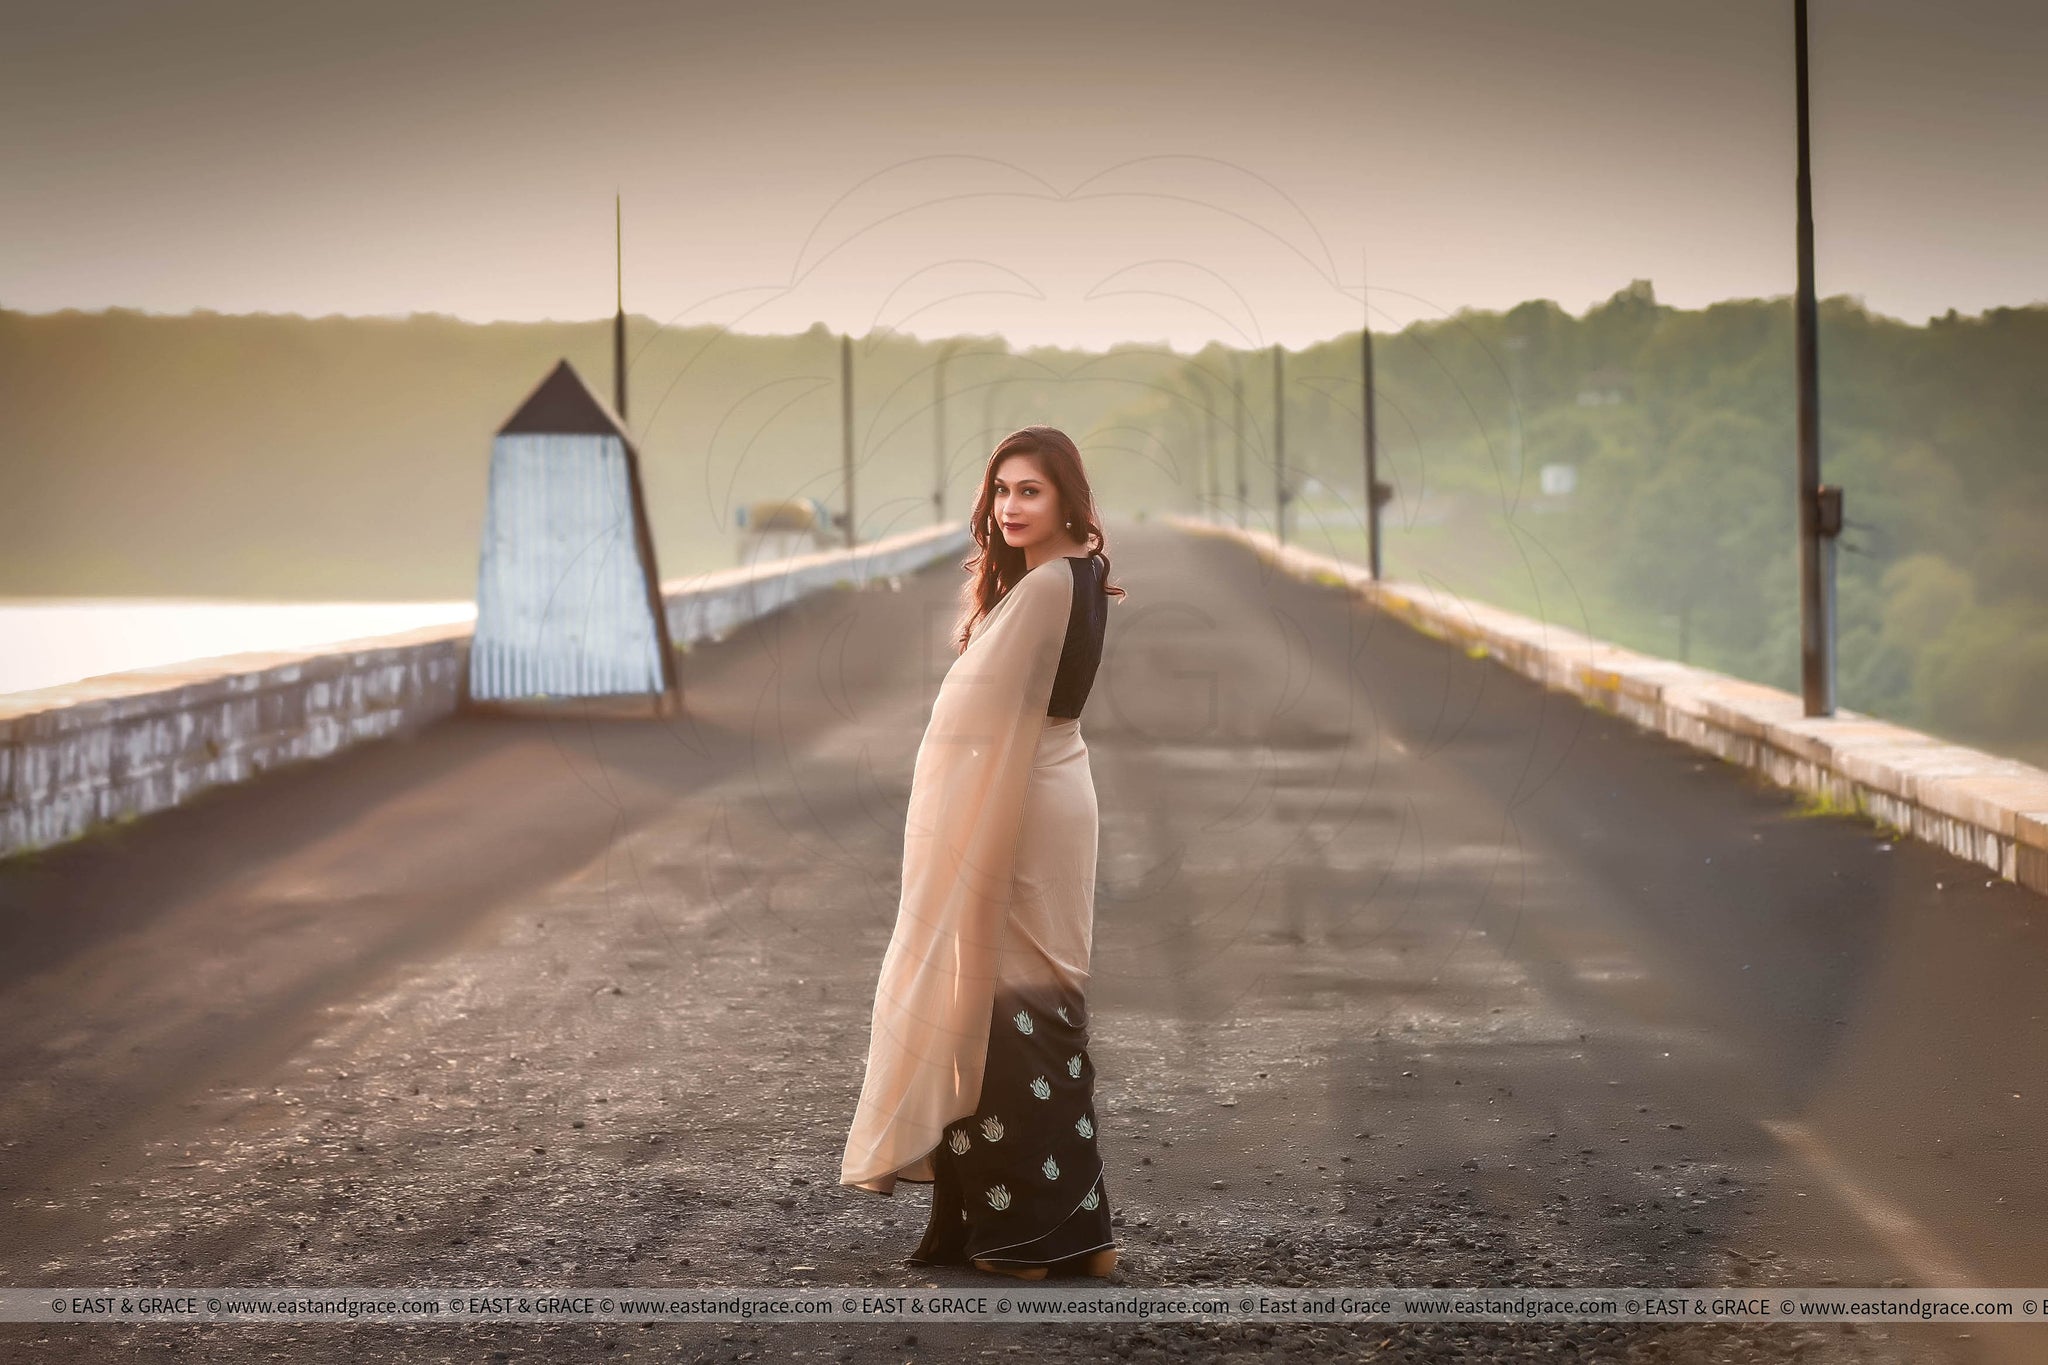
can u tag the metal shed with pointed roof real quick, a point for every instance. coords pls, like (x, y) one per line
(568, 596)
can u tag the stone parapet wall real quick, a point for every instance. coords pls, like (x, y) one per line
(1989, 810)
(124, 744)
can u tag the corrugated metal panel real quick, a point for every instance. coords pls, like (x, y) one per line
(562, 598)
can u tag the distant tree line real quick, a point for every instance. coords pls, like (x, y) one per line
(1679, 428)
(280, 456)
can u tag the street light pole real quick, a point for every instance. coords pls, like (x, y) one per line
(1820, 506)
(846, 427)
(1212, 479)
(1374, 489)
(988, 411)
(1237, 421)
(1279, 444)
(939, 434)
(1377, 494)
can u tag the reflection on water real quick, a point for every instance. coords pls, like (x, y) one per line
(46, 641)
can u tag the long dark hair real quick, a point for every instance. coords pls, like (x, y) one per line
(995, 568)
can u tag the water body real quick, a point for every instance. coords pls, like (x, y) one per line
(47, 641)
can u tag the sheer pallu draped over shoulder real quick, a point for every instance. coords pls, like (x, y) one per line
(929, 1043)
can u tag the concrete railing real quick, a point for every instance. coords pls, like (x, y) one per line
(1992, 811)
(707, 606)
(124, 744)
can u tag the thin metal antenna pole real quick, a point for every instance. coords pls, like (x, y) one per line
(619, 317)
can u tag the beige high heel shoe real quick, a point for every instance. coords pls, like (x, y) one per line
(1034, 1272)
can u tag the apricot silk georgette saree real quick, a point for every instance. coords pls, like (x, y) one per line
(982, 988)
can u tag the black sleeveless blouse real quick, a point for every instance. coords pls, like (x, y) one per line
(1081, 655)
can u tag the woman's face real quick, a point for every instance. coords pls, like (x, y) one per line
(1027, 505)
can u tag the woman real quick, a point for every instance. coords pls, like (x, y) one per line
(978, 1077)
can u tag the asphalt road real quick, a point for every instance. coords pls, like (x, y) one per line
(1406, 973)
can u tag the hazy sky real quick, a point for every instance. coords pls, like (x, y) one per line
(1084, 173)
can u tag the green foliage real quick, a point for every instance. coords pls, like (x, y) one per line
(1808, 805)
(346, 457)
(1679, 538)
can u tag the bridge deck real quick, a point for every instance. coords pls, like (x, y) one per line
(1407, 972)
